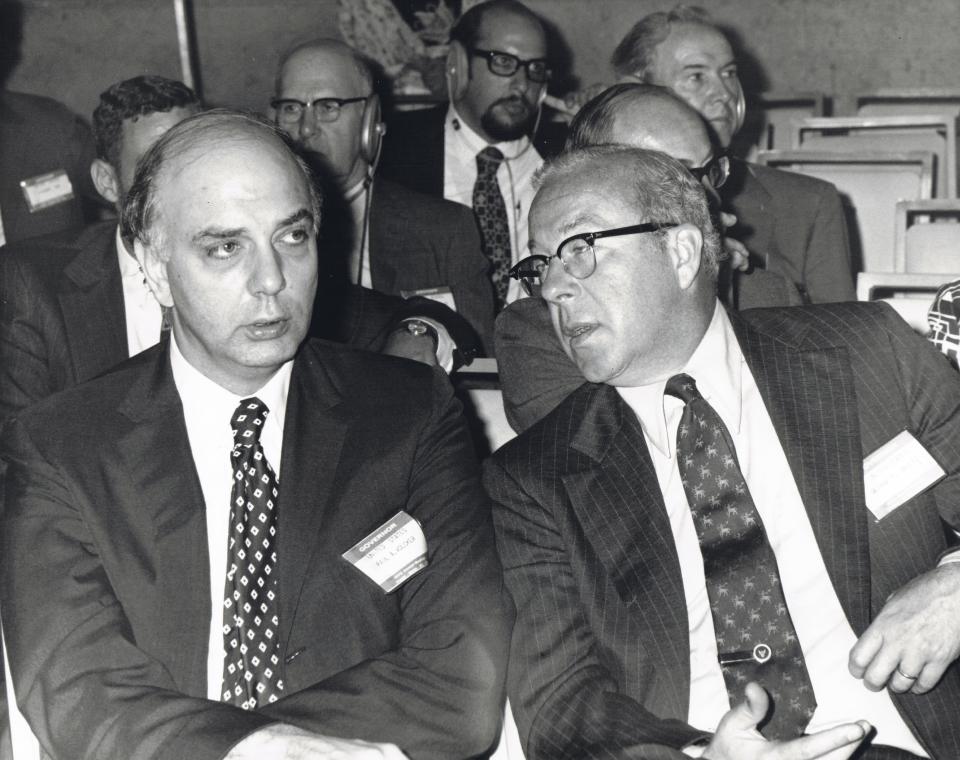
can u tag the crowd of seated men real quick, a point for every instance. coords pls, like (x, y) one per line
(242, 512)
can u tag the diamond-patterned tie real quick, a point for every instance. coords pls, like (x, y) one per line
(491, 214)
(251, 665)
(756, 639)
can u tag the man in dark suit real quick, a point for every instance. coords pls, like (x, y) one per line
(731, 501)
(205, 607)
(497, 75)
(792, 222)
(384, 237)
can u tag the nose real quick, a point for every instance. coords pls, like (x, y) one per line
(267, 277)
(308, 123)
(719, 89)
(558, 285)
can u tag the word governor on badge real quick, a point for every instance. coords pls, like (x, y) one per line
(392, 554)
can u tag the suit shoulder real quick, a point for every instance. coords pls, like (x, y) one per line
(848, 323)
(432, 209)
(790, 184)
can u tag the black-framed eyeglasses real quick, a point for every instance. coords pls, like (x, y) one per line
(290, 110)
(715, 171)
(576, 254)
(506, 65)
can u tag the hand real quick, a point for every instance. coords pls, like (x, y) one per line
(574, 101)
(737, 737)
(736, 251)
(915, 637)
(406, 345)
(284, 742)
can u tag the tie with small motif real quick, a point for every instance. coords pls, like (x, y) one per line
(756, 639)
(492, 219)
(251, 666)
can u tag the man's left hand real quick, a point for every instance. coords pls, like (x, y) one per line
(915, 637)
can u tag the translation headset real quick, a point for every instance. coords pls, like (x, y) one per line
(372, 130)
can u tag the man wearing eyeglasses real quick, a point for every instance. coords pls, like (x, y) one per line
(479, 151)
(379, 235)
(535, 374)
(704, 542)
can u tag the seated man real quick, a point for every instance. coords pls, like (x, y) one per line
(240, 544)
(535, 374)
(730, 543)
(385, 236)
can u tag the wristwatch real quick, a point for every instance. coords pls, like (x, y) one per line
(419, 328)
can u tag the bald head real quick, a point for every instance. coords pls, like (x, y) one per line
(353, 68)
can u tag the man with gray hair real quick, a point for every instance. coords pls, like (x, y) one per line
(704, 544)
(240, 544)
(795, 222)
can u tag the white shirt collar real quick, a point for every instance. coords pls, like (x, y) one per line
(716, 365)
(458, 129)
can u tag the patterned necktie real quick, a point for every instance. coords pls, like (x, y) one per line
(755, 635)
(492, 219)
(251, 672)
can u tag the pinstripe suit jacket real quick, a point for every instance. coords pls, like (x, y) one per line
(600, 660)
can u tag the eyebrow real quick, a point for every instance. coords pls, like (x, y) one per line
(218, 233)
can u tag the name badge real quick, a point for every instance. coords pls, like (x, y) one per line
(392, 554)
(46, 190)
(442, 294)
(896, 472)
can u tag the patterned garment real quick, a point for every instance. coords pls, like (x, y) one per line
(944, 320)
(491, 214)
(251, 666)
(756, 640)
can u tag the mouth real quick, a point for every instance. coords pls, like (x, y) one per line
(267, 329)
(578, 333)
(515, 105)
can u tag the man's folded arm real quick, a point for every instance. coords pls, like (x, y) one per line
(86, 689)
(439, 693)
(565, 702)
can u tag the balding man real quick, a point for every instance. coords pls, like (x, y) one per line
(731, 542)
(382, 235)
(248, 545)
(794, 222)
(479, 150)
(535, 374)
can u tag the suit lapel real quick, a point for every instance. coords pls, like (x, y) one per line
(387, 233)
(157, 454)
(314, 431)
(811, 398)
(91, 299)
(617, 499)
(753, 205)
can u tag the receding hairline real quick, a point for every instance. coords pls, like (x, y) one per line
(326, 46)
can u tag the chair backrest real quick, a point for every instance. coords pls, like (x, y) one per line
(927, 236)
(778, 112)
(910, 100)
(911, 295)
(937, 132)
(870, 184)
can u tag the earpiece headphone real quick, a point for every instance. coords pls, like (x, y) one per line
(372, 130)
(740, 111)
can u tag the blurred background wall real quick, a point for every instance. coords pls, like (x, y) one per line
(73, 49)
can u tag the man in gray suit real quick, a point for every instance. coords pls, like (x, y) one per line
(732, 501)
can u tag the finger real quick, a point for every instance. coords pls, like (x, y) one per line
(835, 743)
(929, 677)
(727, 220)
(747, 714)
(902, 679)
(864, 651)
(883, 669)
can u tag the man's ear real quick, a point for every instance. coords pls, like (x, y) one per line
(685, 243)
(105, 179)
(155, 271)
(458, 73)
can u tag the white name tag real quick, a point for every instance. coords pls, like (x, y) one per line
(442, 294)
(46, 190)
(896, 472)
(392, 554)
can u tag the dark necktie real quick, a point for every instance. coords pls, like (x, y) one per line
(756, 639)
(251, 667)
(492, 219)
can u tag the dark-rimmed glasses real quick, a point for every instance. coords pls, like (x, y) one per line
(715, 171)
(576, 254)
(324, 109)
(506, 65)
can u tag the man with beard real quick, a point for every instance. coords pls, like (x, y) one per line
(378, 234)
(479, 151)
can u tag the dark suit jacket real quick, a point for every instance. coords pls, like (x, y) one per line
(39, 135)
(536, 374)
(797, 223)
(413, 148)
(600, 659)
(418, 241)
(105, 582)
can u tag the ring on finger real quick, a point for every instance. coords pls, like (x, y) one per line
(904, 675)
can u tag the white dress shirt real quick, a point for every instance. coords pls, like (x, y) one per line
(825, 635)
(515, 177)
(207, 410)
(143, 314)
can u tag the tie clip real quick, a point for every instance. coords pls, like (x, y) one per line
(760, 654)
